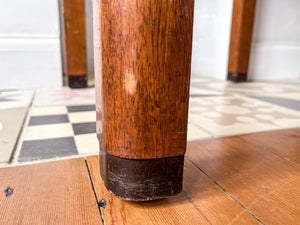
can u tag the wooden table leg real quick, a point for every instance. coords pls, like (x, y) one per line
(240, 41)
(74, 42)
(143, 58)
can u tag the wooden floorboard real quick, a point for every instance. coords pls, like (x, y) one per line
(246, 179)
(202, 202)
(48, 193)
(253, 169)
(284, 143)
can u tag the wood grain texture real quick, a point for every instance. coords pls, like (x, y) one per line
(143, 76)
(48, 193)
(240, 40)
(201, 202)
(290, 138)
(265, 183)
(74, 37)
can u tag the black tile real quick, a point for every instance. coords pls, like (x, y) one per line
(285, 102)
(47, 148)
(84, 128)
(40, 120)
(81, 108)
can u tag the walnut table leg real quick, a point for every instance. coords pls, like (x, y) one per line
(74, 42)
(142, 64)
(240, 40)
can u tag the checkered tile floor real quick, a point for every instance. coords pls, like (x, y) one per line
(58, 131)
(61, 121)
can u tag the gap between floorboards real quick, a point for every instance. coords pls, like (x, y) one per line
(94, 190)
(227, 193)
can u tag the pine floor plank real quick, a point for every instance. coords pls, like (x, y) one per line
(48, 193)
(265, 183)
(202, 202)
(284, 143)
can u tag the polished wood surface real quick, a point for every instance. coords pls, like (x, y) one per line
(74, 37)
(201, 202)
(240, 40)
(143, 76)
(290, 138)
(48, 193)
(246, 179)
(254, 173)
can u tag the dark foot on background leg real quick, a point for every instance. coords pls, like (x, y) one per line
(77, 81)
(237, 77)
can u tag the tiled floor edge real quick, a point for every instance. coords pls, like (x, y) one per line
(15, 154)
(14, 164)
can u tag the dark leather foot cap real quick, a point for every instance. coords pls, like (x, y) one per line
(142, 180)
(237, 77)
(77, 81)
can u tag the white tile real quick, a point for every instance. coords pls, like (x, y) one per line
(81, 117)
(223, 116)
(87, 143)
(52, 110)
(232, 109)
(252, 88)
(15, 99)
(289, 95)
(195, 133)
(48, 131)
(64, 96)
(194, 90)
(11, 121)
(203, 79)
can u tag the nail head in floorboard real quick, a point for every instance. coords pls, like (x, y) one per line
(48, 193)
(201, 202)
